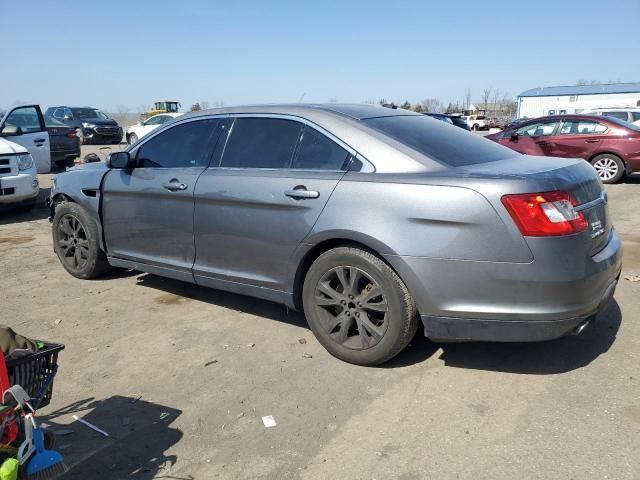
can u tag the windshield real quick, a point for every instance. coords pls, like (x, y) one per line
(83, 113)
(443, 143)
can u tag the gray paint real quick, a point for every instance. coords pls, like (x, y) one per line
(444, 230)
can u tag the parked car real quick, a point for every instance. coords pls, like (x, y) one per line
(610, 145)
(631, 115)
(18, 176)
(139, 130)
(91, 125)
(515, 121)
(366, 218)
(64, 143)
(24, 125)
(459, 121)
(475, 122)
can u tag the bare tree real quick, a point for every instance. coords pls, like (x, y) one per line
(418, 108)
(486, 94)
(431, 105)
(333, 100)
(218, 104)
(495, 97)
(406, 105)
(204, 105)
(587, 82)
(196, 107)
(143, 107)
(467, 98)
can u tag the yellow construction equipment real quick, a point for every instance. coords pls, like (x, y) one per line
(164, 106)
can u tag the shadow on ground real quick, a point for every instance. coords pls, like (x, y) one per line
(540, 358)
(140, 433)
(11, 215)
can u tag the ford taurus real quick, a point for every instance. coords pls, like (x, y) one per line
(368, 219)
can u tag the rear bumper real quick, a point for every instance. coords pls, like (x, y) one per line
(494, 301)
(60, 155)
(465, 329)
(18, 188)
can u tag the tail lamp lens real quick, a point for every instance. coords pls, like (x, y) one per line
(545, 214)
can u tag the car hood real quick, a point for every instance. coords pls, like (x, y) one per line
(10, 148)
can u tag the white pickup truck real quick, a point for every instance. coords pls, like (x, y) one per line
(18, 177)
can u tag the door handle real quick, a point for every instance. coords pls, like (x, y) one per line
(593, 140)
(175, 186)
(39, 140)
(300, 193)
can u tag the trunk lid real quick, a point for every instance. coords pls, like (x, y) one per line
(529, 174)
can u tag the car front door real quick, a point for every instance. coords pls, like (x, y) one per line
(25, 126)
(147, 212)
(533, 138)
(274, 179)
(579, 138)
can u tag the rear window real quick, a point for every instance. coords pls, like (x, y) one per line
(441, 142)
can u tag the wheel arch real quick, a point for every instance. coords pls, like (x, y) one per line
(311, 251)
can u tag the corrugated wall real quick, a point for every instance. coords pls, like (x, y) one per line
(540, 106)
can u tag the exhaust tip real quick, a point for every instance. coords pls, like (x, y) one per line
(578, 329)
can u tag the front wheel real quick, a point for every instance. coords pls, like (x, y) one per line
(76, 242)
(133, 138)
(475, 127)
(610, 168)
(357, 306)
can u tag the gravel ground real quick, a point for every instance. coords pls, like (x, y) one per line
(180, 377)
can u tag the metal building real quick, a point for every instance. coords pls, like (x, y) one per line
(538, 102)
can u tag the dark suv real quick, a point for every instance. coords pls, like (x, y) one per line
(92, 125)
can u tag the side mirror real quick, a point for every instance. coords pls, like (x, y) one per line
(10, 131)
(514, 135)
(121, 160)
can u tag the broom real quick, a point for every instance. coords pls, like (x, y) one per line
(44, 464)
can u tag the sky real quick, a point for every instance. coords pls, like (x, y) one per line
(121, 54)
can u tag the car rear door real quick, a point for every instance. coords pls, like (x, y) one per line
(147, 212)
(579, 138)
(534, 138)
(32, 133)
(275, 177)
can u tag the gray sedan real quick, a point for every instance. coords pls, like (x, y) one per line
(369, 219)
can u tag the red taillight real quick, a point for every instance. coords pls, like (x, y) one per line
(545, 214)
(71, 133)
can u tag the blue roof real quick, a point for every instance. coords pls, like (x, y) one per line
(582, 90)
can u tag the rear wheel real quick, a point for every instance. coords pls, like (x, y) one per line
(133, 138)
(76, 242)
(610, 168)
(357, 306)
(475, 127)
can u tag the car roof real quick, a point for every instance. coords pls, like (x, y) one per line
(352, 110)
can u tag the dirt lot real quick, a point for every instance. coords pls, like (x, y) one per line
(180, 376)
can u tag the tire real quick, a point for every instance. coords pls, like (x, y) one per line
(76, 242)
(338, 314)
(133, 138)
(475, 127)
(610, 167)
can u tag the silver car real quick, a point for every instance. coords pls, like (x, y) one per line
(367, 218)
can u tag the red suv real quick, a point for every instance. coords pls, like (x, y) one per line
(610, 145)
